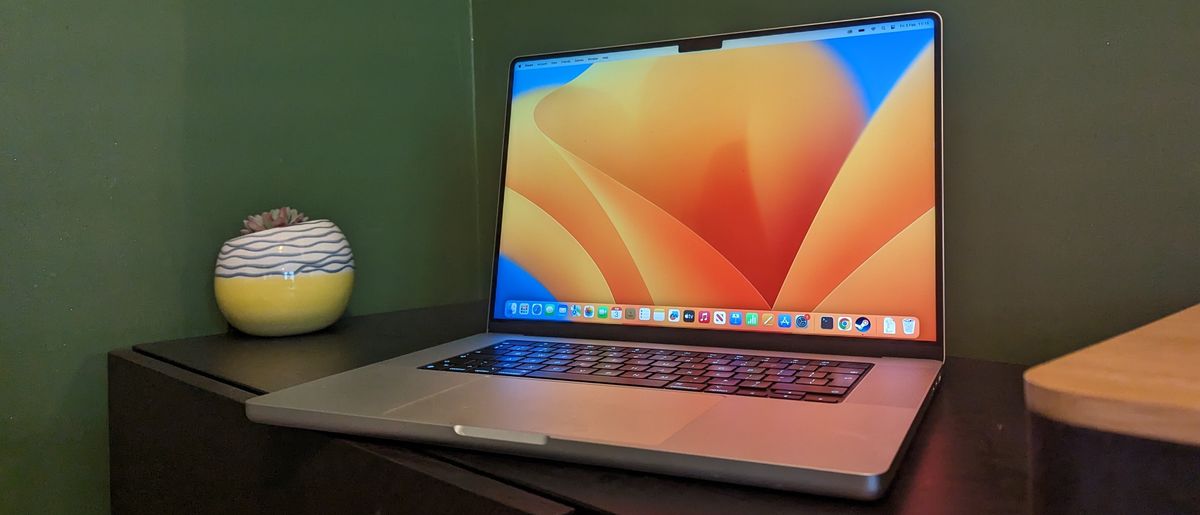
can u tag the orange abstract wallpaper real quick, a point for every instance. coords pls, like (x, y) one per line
(758, 178)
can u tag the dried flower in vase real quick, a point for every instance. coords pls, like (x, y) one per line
(280, 217)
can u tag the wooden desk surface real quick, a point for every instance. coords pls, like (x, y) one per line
(969, 455)
(1143, 383)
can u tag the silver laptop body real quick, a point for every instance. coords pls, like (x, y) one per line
(841, 441)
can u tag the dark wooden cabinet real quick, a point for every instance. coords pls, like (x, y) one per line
(180, 442)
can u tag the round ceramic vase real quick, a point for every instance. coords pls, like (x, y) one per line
(286, 280)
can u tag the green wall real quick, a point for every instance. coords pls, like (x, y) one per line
(135, 135)
(1072, 172)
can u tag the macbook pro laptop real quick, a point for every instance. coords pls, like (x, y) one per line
(717, 257)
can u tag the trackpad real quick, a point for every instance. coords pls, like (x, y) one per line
(563, 410)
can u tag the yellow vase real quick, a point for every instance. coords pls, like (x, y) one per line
(286, 280)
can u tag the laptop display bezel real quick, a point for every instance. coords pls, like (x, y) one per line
(770, 341)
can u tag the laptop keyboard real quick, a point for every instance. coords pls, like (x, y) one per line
(712, 372)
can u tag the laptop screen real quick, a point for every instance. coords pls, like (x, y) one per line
(781, 183)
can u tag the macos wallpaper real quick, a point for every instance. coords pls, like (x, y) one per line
(794, 177)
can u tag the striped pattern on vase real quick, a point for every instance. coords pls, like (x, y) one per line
(286, 280)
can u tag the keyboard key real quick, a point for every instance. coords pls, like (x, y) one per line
(695, 366)
(556, 368)
(662, 370)
(637, 375)
(841, 382)
(695, 379)
(840, 370)
(529, 366)
(715, 361)
(752, 377)
(716, 388)
(822, 398)
(613, 360)
(722, 375)
(512, 372)
(722, 368)
(608, 372)
(607, 366)
(598, 379)
(781, 372)
(640, 362)
(823, 363)
(753, 392)
(808, 388)
(787, 395)
(690, 372)
(588, 358)
(634, 368)
(846, 364)
(810, 374)
(803, 368)
(722, 382)
(667, 364)
(812, 380)
(556, 362)
(664, 377)
(581, 370)
(756, 384)
(695, 387)
(751, 370)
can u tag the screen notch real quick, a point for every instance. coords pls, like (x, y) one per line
(702, 43)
